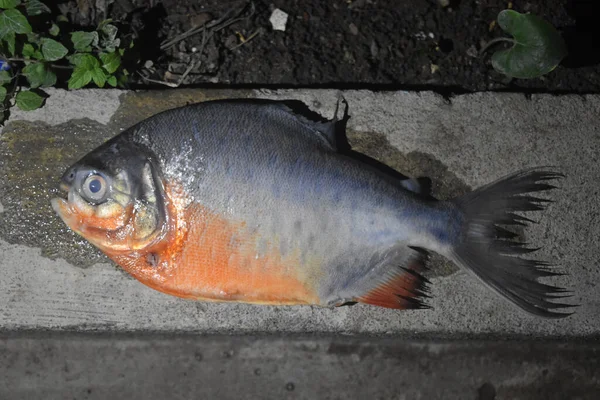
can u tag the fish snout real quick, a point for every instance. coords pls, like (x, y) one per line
(66, 181)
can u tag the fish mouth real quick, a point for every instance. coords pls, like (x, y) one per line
(61, 205)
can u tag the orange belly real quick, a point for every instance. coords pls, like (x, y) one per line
(208, 257)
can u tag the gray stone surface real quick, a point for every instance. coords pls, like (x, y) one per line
(233, 367)
(62, 106)
(48, 281)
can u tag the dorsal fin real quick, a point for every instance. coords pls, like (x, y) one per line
(326, 129)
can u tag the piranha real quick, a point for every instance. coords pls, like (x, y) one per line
(256, 202)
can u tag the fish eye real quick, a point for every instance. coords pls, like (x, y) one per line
(94, 188)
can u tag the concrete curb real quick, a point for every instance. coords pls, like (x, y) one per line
(52, 280)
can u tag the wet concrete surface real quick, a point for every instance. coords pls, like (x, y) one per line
(33, 155)
(54, 280)
(75, 366)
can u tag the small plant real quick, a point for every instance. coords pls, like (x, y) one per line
(537, 47)
(51, 53)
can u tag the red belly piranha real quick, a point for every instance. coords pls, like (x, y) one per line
(253, 202)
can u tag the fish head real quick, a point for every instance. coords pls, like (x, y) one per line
(115, 200)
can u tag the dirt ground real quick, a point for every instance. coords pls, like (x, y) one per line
(375, 44)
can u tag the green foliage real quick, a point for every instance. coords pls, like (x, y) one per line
(88, 57)
(83, 41)
(38, 74)
(12, 20)
(537, 46)
(36, 7)
(27, 100)
(5, 77)
(9, 3)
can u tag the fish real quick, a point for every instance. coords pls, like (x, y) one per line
(258, 202)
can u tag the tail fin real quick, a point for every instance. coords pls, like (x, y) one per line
(489, 250)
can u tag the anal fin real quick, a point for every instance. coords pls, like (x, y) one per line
(403, 288)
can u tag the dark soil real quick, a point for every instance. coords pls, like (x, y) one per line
(374, 44)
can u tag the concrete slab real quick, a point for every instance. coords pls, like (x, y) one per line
(53, 280)
(233, 367)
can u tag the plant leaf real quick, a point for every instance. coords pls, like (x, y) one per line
(9, 3)
(75, 59)
(2, 94)
(84, 61)
(88, 62)
(36, 7)
(109, 31)
(538, 47)
(52, 50)
(98, 76)
(82, 41)
(9, 40)
(28, 50)
(28, 100)
(13, 21)
(5, 77)
(54, 30)
(110, 61)
(103, 23)
(38, 74)
(112, 80)
(33, 37)
(79, 78)
(109, 40)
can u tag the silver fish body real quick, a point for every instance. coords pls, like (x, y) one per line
(356, 233)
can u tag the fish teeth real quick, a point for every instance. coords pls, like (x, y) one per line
(121, 198)
(144, 223)
(80, 204)
(121, 183)
(110, 209)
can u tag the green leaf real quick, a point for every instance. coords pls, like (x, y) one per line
(82, 41)
(86, 62)
(87, 67)
(75, 59)
(33, 37)
(99, 77)
(112, 80)
(28, 50)
(29, 100)
(62, 18)
(109, 41)
(5, 77)
(79, 78)
(122, 79)
(9, 40)
(2, 94)
(538, 47)
(54, 30)
(13, 21)
(110, 61)
(36, 7)
(38, 74)
(52, 50)
(109, 31)
(9, 3)
(103, 23)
